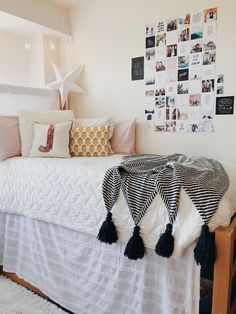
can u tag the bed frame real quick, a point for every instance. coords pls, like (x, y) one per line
(223, 302)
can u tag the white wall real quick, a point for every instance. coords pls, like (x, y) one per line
(40, 12)
(108, 33)
(14, 60)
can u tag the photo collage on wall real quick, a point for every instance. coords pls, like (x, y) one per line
(179, 72)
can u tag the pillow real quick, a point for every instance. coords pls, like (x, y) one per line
(28, 118)
(123, 139)
(96, 122)
(9, 137)
(90, 141)
(51, 140)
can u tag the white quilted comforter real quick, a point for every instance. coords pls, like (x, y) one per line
(68, 192)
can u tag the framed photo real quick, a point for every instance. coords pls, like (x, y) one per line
(225, 105)
(137, 68)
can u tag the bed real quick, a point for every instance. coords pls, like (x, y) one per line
(50, 214)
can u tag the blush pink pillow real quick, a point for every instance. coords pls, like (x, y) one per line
(9, 137)
(123, 139)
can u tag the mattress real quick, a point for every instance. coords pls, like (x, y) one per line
(68, 192)
(86, 276)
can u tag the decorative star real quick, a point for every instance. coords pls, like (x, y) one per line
(65, 83)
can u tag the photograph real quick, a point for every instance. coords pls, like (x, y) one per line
(183, 48)
(194, 114)
(150, 54)
(160, 39)
(210, 15)
(197, 31)
(195, 100)
(160, 115)
(207, 112)
(183, 88)
(137, 68)
(182, 113)
(149, 74)
(150, 30)
(208, 99)
(196, 46)
(181, 126)
(171, 25)
(160, 65)
(150, 42)
(159, 127)
(171, 38)
(197, 18)
(195, 73)
(171, 88)
(183, 35)
(208, 86)
(170, 126)
(171, 76)
(171, 101)
(220, 79)
(160, 78)
(209, 57)
(224, 105)
(160, 91)
(172, 63)
(182, 100)
(193, 128)
(209, 44)
(149, 91)
(160, 52)
(172, 114)
(160, 102)
(195, 59)
(171, 51)
(220, 90)
(161, 27)
(183, 62)
(195, 87)
(184, 21)
(208, 71)
(183, 75)
(206, 126)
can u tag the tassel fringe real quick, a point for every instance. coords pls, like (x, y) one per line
(107, 232)
(135, 247)
(165, 245)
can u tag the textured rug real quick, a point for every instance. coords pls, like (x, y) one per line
(15, 299)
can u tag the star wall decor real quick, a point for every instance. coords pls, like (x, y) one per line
(65, 83)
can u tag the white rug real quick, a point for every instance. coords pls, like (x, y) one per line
(15, 299)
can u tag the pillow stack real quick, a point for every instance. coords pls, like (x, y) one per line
(58, 134)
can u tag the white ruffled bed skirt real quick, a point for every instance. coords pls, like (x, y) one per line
(86, 276)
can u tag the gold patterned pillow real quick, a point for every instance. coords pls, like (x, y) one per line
(90, 141)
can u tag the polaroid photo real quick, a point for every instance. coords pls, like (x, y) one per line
(209, 44)
(210, 15)
(171, 51)
(161, 27)
(171, 101)
(149, 104)
(170, 126)
(196, 46)
(149, 91)
(159, 115)
(208, 86)
(171, 76)
(171, 89)
(220, 89)
(181, 126)
(150, 54)
(160, 91)
(183, 35)
(150, 30)
(158, 127)
(171, 38)
(196, 18)
(183, 75)
(197, 31)
(161, 39)
(149, 73)
(171, 25)
(150, 42)
(208, 99)
(183, 62)
(182, 100)
(220, 79)
(193, 127)
(172, 63)
(160, 65)
(172, 113)
(195, 87)
(183, 87)
(208, 71)
(195, 59)
(184, 21)
(207, 112)
(160, 78)
(182, 113)
(183, 48)
(194, 114)
(195, 73)
(160, 102)
(210, 30)
(209, 57)
(195, 100)
(161, 52)
(206, 126)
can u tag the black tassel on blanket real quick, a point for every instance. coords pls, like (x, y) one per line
(165, 245)
(107, 232)
(135, 247)
(204, 252)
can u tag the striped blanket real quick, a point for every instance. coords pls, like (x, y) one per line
(142, 177)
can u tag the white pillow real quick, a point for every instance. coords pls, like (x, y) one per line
(51, 140)
(28, 118)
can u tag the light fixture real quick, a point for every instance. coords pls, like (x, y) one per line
(52, 45)
(27, 45)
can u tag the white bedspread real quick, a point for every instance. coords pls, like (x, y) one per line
(68, 192)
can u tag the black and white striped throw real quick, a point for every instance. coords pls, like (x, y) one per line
(141, 177)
